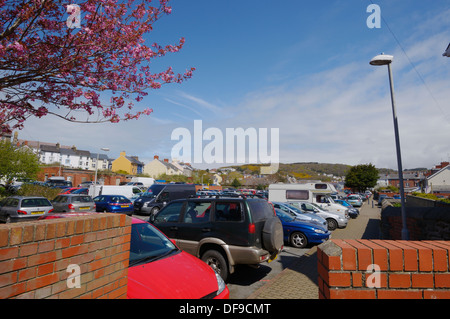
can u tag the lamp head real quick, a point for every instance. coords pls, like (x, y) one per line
(382, 59)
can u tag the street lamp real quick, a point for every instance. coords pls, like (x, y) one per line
(96, 169)
(384, 59)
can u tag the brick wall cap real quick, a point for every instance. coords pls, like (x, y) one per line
(331, 249)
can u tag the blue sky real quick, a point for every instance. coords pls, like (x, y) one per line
(299, 66)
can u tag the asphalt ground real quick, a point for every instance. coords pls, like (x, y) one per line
(299, 279)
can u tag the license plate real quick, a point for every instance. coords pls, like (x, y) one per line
(84, 208)
(124, 206)
(37, 213)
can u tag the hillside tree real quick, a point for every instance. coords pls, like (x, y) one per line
(87, 62)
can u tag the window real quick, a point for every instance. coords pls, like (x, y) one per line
(197, 212)
(320, 186)
(228, 212)
(297, 194)
(171, 213)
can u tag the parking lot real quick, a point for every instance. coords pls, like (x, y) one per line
(248, 282)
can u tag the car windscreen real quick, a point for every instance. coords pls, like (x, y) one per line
(148, 244)
(155, 189)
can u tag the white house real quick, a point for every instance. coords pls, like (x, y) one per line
(439, 180)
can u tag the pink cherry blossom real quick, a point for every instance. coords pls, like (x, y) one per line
(48, 68)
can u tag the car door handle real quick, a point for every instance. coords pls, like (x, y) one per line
(174, 228)
(205, 230)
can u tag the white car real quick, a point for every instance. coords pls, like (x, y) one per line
(334, 220)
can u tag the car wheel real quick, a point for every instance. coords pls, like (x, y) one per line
(154, 211)
(332, 224)
(298, 240)
(217, 262)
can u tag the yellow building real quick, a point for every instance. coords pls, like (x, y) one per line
(129, 164)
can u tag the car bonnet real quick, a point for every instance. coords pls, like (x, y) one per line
(180, 276)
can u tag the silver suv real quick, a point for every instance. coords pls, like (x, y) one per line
(21, 208)
(73, 203)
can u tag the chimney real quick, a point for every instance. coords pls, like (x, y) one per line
(123, 153)
(166, 160)
(156, 157)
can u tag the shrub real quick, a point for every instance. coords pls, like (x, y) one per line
(38, 190)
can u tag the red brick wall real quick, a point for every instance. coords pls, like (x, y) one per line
(34, 257)
(406, 269)
(79, 176)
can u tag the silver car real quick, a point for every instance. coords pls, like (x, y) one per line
(73, 203)
(23, 208)
(300, 214)
(334, 220)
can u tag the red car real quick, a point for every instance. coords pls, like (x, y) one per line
(158, 269)
(69, 190)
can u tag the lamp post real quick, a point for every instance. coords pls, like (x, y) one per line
(384, 59)
(96, 169)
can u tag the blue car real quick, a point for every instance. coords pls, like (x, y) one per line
(352, 211)
(113, 204)
(299, 233)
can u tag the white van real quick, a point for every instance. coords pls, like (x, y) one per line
(127, 191)
(318, 193)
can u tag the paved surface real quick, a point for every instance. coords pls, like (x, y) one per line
(299, 279)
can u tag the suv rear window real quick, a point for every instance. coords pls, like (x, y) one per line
(229, 212)
(260, 209)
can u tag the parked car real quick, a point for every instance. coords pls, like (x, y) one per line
(82, 190)
(113, 204)
(382, 197)
(301, 214)
(73, 203)
(158, 269)
(24, 208)
(334, 220)
(69, 190)
(223, 232)
(353, 212)
(299, 233)
(355, 200)
(159, 195)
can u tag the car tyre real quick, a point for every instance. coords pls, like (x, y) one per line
(272, 235)
(217, 262)
(332, 224)
(298, 240)
(154, 211)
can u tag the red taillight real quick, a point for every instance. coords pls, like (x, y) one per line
(51, 210)
(71, 206)
(21, 212)
(251, 228)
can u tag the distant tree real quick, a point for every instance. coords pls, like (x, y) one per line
(86, 62)
(236, 183)
(17, 162)
(361, 177)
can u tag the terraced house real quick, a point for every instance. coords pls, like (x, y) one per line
(129, 164)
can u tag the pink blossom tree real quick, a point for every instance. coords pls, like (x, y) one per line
(68, 59)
